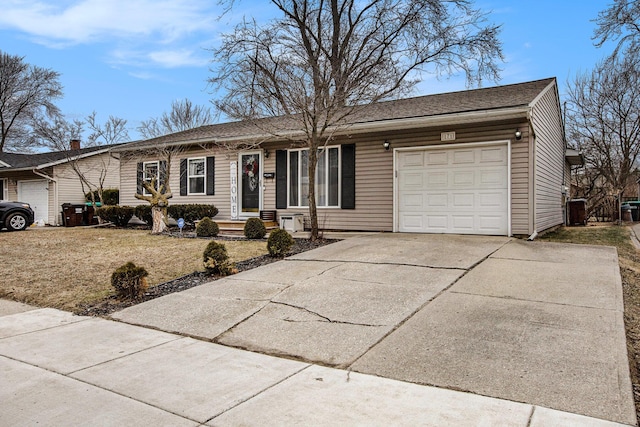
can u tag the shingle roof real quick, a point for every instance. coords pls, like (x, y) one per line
(22, 161)
(491, 98)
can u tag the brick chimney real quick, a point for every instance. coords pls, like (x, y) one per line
(75, 144)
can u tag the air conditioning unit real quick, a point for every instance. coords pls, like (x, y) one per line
(292, 222)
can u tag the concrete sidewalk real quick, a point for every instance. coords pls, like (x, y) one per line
(59, 369)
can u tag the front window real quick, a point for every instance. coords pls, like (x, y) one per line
(327, 177)
(3, 189)
(196, 175)
(151, 172)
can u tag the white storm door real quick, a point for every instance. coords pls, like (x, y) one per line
(250, 171)
(460, 190)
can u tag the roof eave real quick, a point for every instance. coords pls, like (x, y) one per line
(508, 113)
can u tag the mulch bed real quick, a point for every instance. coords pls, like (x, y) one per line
(113, 304)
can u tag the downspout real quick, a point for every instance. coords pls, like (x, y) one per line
(532, 140)
(55, 192)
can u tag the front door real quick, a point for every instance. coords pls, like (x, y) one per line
(250, 183)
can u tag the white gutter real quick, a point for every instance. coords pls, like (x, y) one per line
(55, 193)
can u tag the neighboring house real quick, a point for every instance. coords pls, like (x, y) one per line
(486, 161)
(47, 180)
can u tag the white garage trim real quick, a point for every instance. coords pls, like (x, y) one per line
(396, 191)
(36, 193)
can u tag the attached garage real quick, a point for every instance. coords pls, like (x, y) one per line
(36, 193)
(461, 189)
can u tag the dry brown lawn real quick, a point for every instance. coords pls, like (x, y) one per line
(66, 267)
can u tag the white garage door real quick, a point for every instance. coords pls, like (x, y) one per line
(461, 190)
(37, 195)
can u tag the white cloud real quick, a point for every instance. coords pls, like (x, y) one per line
(87, 21)
(177, 58)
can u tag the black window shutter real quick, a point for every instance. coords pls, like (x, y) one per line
(162, 175)
(281, 179)
(183, 177)
(140, 177)
(211, 168)
(348, 176)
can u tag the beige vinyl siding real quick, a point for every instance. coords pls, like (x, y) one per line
(374, 175)
(549, 160)
(70, 188)
(221, 199)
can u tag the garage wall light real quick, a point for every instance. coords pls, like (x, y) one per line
(518, 134)
(387, 145)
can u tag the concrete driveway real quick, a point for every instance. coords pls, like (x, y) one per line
(531, 322)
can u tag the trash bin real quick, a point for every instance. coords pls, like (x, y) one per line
(635, 209)
(577, 212)
(89, 217)
(626, 213)
(73, 215)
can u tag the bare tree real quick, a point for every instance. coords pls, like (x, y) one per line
(324, 59)
(603, 120)
(619, 22)
(157, 186)
(27, 92)
(56, 134)
(113, 131)
(183, 116)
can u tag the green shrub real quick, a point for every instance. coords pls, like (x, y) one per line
(119, 215)
(254, 229)
(110, 196)
(129, 281)
(207, 228)
(279, 243)
(216, 260)
(191, 213)
(143, 212)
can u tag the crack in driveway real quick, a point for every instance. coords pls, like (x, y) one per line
(325, 319)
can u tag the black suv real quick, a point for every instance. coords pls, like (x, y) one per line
(15, 215)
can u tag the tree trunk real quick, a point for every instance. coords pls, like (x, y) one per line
(159, 220)
(313, 210)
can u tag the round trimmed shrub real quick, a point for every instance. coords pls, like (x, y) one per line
(254, 229)
(207, 228)
(279, 243)
(129, 281)
(216, 260)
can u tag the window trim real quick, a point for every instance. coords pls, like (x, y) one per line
(324, 149)
(144, 176)
(203, 176)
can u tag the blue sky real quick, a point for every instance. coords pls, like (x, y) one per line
(132, 58)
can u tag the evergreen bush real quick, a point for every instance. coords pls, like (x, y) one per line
(191, 213)
(207, 228)
(254, 229)
(119, 215)
(279, 243)
(216, 260)
(143, 212)
(110, 196)
(129, 281)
